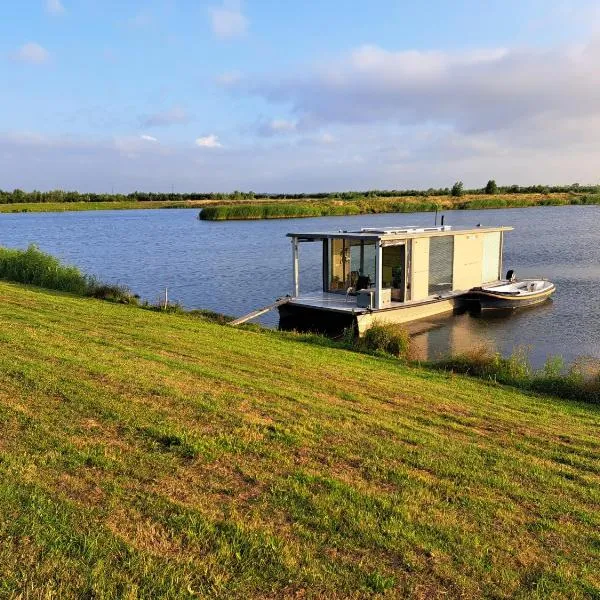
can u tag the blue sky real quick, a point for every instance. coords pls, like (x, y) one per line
(296, 96)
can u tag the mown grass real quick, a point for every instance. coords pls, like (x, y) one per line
(370, 205)
(149, 455)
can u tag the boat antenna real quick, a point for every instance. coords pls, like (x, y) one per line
(443, 220)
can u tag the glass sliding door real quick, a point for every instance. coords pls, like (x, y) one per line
(393, 271)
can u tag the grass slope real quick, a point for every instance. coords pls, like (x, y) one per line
(145, 455)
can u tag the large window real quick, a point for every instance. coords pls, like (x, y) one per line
(441, 258)
(349, 260)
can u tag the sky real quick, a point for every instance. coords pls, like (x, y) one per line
(285, 96)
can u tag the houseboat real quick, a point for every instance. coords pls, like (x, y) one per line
(391, 275)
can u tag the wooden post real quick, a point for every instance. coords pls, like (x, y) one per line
(296, 283)
(378, 273)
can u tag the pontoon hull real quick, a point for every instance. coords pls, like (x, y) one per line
(302, 317)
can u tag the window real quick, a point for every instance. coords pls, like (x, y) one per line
(349, 259)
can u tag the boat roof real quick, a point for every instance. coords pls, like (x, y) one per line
(391, 233)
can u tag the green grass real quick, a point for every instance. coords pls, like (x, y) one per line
(246, 209)
(148, 455)
(25, 207)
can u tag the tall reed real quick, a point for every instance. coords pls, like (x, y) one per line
(35, 267)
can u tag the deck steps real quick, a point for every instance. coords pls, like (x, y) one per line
(261, 311)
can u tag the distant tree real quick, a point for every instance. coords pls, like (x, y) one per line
(491, 187)
(457, 189)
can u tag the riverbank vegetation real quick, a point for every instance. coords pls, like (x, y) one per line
(316, 204)
(409, 204)
(146, 454)
(38, 268)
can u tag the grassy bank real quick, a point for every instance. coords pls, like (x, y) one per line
(151, 455)
(79, 206)
(319, 208)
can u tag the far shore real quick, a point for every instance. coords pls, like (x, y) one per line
(266, 208)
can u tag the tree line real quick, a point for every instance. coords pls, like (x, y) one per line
(20, 196)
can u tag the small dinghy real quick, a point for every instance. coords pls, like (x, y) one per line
(512, 293)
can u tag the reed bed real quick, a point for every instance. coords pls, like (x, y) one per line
(34, 267)
(369, 205)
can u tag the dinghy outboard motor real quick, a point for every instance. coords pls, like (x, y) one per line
(510, 275)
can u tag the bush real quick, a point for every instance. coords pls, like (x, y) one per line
(575, 383)
(390, 339)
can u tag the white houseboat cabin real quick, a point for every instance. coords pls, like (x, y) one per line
(391, 275)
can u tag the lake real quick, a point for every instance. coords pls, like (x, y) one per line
(236, 266)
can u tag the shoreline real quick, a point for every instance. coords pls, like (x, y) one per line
(249, 210)
(316, 208)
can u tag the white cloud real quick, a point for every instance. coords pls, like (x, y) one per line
(208, 141)
(148, 138)
(54, 7)
(173, 116)
(282, 125)
(326, 138)
(228, 78)
(228, 21)
(277, 127)
(32, 53)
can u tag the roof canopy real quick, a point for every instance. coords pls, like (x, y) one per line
(390, 233)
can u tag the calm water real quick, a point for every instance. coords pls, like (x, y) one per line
(235, 267)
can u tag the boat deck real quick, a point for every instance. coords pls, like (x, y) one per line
(329, 301)
(347, 304)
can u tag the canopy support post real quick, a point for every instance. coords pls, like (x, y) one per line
(296, 282)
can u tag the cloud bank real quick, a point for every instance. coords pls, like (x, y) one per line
(474, 91)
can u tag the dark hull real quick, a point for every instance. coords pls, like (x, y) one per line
(293, 317)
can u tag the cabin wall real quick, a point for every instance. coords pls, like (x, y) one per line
(419, 275)
(468, 260)
(492, 250)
